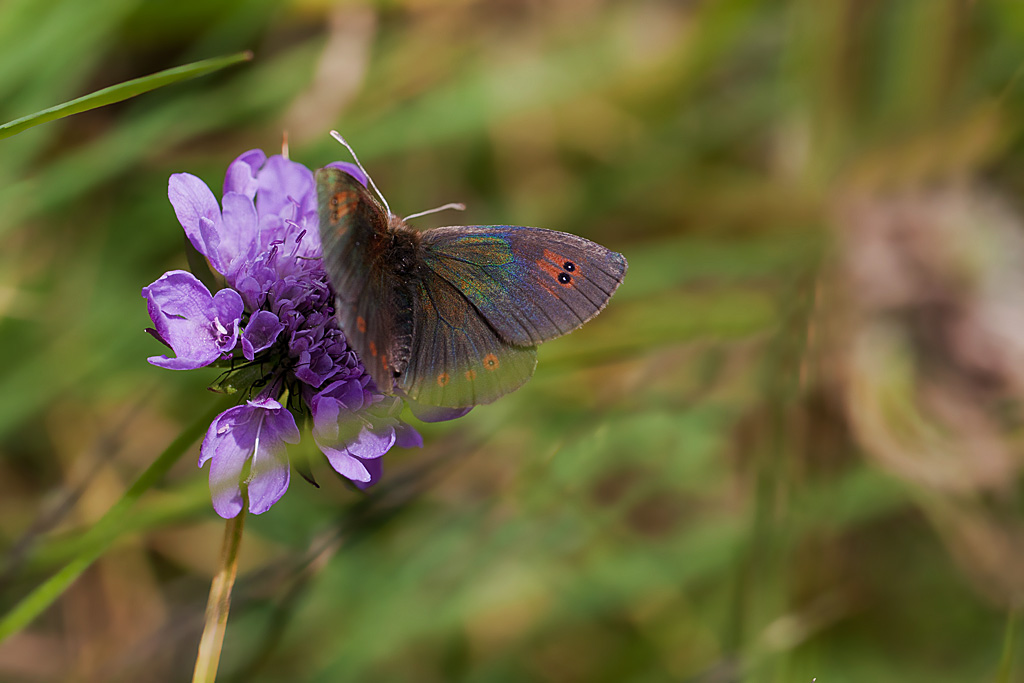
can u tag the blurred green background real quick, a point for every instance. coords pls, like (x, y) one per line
(789, 449)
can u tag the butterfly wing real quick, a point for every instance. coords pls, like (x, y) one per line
(371, 302)
(457, 360)
(530, 284)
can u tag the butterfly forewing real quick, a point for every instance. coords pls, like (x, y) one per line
(530, 284)
(368, 292)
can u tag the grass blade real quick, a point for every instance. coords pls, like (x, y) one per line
(123, 91)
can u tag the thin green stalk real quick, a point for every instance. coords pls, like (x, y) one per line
(104, 532)
(122, 91)
(1005, 674)
(219, 603)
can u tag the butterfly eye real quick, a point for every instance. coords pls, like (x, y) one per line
(569, 266)
(564, 278)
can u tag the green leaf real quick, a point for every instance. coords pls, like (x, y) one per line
(123, 91)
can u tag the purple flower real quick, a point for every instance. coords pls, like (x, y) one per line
(263, 238)
(198, 327)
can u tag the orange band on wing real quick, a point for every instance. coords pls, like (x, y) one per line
(341, 204)
(555, 265)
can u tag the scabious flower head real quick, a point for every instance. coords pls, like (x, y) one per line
(274, 325)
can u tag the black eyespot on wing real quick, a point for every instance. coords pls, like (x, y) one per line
(564, 278)
(569, 266)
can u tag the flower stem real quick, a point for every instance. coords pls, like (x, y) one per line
(219, 602)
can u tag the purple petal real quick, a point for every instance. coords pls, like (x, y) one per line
(229, 442)
(241, 174)
(239, 234)
(270, 473)
(351, 169)
(194, 203)
(342, 432)
(372, 443)
(426, 413)
(261, 333)
(347, 466)
(375, 468)
(198, 327)
(257, 430)
(228, 306)
(283, 187)
(327, 406)
(407, 437)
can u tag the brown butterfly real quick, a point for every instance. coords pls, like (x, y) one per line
(452, 316)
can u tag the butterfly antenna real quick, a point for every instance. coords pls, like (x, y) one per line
(458, 206)
(337, 136)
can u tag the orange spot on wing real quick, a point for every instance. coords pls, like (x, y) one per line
(491, 362)
(443, 379)
(361, 324)
(384, 361)
(341, 204)
(373, 349)
(471, 375)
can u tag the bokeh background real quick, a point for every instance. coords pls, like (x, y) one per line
(789, 449)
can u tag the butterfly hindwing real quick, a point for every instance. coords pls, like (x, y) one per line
(457, 360)
(530, 284)
(369, 294)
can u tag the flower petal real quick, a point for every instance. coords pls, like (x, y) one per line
(338, 400)
(197, 326)
(229, 443)
(238, 236)
(372, 442)
(426, 413)
(284, 184)
(241, 174)
(261, 333)
(270, 473)
(407, 436)
(375, 468)
(347, 465)
(193, 202)
(351, 169)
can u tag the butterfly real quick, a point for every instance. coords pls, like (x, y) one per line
(452, 316)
